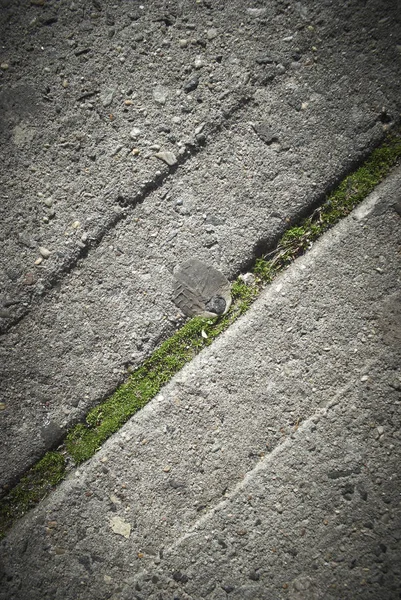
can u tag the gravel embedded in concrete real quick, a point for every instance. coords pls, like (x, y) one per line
(268, 467)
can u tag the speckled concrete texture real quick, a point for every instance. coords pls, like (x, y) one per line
(264, 106)
(268, 468)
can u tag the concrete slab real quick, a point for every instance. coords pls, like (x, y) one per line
(84, 86)
(264, 162)
(267, 468)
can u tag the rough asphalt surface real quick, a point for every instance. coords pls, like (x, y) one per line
(267, 469)
(253, 110)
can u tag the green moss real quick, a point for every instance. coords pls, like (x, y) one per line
(264, 270)
(144, 383)
(352, 190)
(243, 295)
(34, 486)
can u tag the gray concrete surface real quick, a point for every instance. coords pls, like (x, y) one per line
(290, 96)
(268, 468)
(78, 79)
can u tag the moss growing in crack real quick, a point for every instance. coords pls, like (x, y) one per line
(243, 295)
(34, 486)
(85, 439)
(104, 420)
(143, 384)
(352, 190)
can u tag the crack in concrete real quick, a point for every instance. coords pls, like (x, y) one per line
(126, 204)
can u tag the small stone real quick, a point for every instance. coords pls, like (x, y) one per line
(128, 102)
(76, 224)
(39, 260)
(183, 43)
(212, 33)
(134, 133)
(13, 273)
(191, 85)
(106, 97)
(52, 524)
(29, 279)
(248, 279)
(4, 66)
(168, 157)
(199, 129)
(3, 406)
(266, 134)
(216, 305)
(116, 150)
(65, 83)
(256, 12)
(120, 526)
(26, 240)
(199, 62)
(107, 578)
(51, 433)
(264, 59)
(160, 95)
(135, 151)
(200, 139)
(44, 252)
(180, 577)
(48, 202)
(348, 491)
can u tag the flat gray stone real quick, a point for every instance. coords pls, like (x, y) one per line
(168, 157)
(200, 289)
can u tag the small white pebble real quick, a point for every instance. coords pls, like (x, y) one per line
(44, 252)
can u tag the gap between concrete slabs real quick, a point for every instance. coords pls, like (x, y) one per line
(110, 312)
(50, 470)
(326, 325)
(113, 310)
